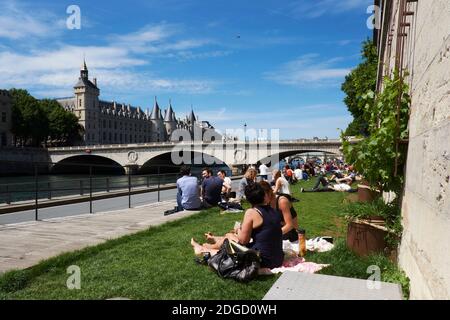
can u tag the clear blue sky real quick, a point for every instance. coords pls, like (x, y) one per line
(270, 64)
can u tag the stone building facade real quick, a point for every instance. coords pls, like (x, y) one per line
(417, 33)
(6, 137)
(109, 122)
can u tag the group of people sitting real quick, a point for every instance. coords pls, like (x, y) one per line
(270, 220)
(191, 196)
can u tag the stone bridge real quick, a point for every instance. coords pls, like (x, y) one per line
(232, 153)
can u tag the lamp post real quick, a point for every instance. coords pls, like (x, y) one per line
(245, 132)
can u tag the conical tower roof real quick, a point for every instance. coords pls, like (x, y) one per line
(156, 112)
(192, 117)
(170, 115)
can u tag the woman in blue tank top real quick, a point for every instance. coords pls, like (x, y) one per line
(262, 223)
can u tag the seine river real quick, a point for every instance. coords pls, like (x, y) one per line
(22, 188)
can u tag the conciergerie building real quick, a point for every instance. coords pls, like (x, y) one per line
(109, 122)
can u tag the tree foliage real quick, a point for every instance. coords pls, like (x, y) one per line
(63, 125)
(361, 80)
(37, 122)
(29, 121)
(380, 155)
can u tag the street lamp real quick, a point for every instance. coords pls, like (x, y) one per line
(245, 132)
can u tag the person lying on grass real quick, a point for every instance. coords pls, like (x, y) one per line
(262, 223)
(330, 187)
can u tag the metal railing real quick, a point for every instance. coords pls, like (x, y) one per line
(173, 143)
(19, 196)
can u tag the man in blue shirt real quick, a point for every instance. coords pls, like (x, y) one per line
(211, 188)
(188, 193)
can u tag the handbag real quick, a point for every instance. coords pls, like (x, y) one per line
(236, 262)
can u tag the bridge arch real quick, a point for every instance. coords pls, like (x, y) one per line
(165, 161)
(82, 163)
(284, 154)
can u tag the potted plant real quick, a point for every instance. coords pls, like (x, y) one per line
(373, 227)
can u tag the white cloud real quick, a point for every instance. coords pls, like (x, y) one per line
(318, 8)
(312, 122)
(307, 72)
(19, 22)
(153, 39)
(147, 34)
(115, 66)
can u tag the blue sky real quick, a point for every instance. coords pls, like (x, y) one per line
(270, 64)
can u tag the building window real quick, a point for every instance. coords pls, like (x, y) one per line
(104, 123)
(110, 125)
(80, 102)
(120, 138)
(115, 137)
(3, 116)
(115, 125)
(110, 137)
(104, 136)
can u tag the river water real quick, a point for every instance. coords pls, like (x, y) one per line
(23, 188)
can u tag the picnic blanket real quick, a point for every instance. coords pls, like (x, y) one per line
(317, 244)
(292, 262)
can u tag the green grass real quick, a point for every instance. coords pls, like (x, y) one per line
(159, 263)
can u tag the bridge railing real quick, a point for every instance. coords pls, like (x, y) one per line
(173, 143)
(36, 189)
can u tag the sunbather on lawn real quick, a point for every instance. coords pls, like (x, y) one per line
(261, 223)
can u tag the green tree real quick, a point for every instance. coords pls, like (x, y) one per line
(64, 128)
(360, 81)
(29, 121)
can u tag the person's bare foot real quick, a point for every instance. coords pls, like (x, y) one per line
(210, 238)
(198, 249)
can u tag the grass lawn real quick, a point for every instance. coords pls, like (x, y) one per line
(159, 263)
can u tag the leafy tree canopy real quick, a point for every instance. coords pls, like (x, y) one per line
(359, 82)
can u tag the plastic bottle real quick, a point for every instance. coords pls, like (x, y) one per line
(301, 242)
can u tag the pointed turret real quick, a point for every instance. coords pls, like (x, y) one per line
(170, 115)
(156, 112)
(191, 117)
(84, 73)
(159, 132)
(170, 121)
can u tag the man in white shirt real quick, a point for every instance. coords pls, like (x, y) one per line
(226, 187)
(298, 173)
(263, 169)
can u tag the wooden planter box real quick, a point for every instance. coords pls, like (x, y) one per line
(367, 194)
(366, 236)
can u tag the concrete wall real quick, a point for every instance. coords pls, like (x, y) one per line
(425, 247)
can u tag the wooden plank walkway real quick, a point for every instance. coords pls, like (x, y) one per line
(25, 244)
(304, 286)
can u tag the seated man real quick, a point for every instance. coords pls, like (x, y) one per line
(211, 188)
(188, 196)
(289, 174)
(226, 188)
(298, 173)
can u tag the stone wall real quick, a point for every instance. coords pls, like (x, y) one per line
(425, 247)
(18, 161)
